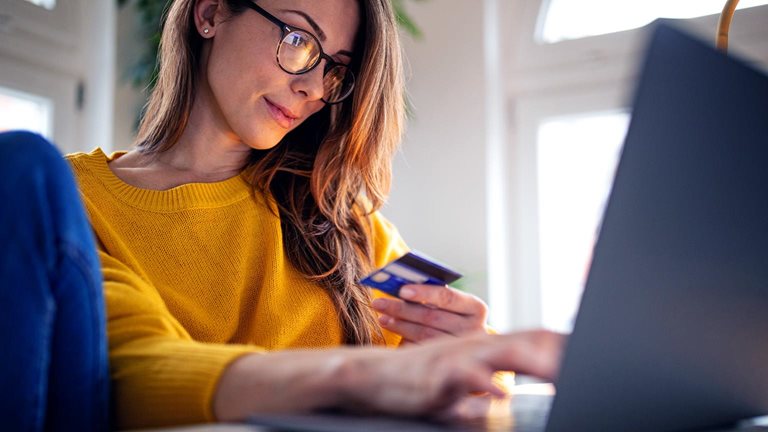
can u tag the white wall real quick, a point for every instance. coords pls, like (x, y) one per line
(98, 41)
(438, 195)
(128, 100)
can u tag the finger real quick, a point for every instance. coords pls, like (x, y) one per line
(482, 381)
(412, 331)
(535, 352)
(440, 319)
(474, 377)
(444, 297)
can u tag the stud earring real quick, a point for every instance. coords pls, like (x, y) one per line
(206, 31)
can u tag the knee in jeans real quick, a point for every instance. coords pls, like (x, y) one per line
(28, 150)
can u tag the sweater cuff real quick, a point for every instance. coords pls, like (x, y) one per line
(171, 389)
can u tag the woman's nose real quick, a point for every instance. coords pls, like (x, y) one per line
(311, 83)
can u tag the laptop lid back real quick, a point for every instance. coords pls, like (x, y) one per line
(672, 332)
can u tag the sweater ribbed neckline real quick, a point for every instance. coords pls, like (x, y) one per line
(183, 197)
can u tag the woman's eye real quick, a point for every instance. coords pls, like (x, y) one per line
(297, 40)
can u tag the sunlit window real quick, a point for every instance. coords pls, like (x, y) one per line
(25, 111)
(577, 158)
(569, 19)
(48, 4)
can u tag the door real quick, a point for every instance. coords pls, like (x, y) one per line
(57, 70)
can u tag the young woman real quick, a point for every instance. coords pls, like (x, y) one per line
(233, 236)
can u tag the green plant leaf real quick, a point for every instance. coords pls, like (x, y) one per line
(405, 21)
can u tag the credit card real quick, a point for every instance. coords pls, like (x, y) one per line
(411, 268)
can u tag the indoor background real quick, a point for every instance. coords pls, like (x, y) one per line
(519, 108)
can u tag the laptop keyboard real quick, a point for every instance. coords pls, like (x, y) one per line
(526, 413)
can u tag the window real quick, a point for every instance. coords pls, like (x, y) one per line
(576, 158)
(20, 110)
(568, 19)
(48, 4)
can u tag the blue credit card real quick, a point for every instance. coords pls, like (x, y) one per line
(411, 268)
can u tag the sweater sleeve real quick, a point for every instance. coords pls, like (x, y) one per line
(388, 245)
(160, 375)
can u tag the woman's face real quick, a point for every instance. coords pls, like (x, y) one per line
(250, 95)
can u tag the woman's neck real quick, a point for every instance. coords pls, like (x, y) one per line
(206, 152)
(207, 148)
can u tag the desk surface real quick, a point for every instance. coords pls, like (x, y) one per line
(758, 425)
(528, 404)
(249, 428)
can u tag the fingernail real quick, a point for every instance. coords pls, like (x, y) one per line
(379, 304)
(407, 293)
(385, 320)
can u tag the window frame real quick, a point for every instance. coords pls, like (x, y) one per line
(573, 77)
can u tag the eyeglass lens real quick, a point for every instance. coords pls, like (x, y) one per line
(299, 52)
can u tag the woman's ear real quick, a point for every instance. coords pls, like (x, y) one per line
(207, 15)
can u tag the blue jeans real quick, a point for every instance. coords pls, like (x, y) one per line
(53, 352)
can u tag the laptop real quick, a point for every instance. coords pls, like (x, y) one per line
(672, 331)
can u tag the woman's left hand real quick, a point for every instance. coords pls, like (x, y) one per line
(431, 311)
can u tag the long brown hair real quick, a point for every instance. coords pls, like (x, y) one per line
(326, 175)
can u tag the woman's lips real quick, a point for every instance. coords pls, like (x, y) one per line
(280, 115)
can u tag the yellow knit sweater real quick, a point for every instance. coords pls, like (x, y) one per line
(194, 277)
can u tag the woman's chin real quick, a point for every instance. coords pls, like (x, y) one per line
(260, 141)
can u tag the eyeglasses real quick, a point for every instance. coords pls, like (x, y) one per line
(299, 51)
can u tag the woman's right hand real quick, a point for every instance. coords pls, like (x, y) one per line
(430, 378)
(426, 379)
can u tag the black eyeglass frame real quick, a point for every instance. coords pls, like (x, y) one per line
(330, 63)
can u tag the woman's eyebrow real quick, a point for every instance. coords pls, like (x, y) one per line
(316, 28)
